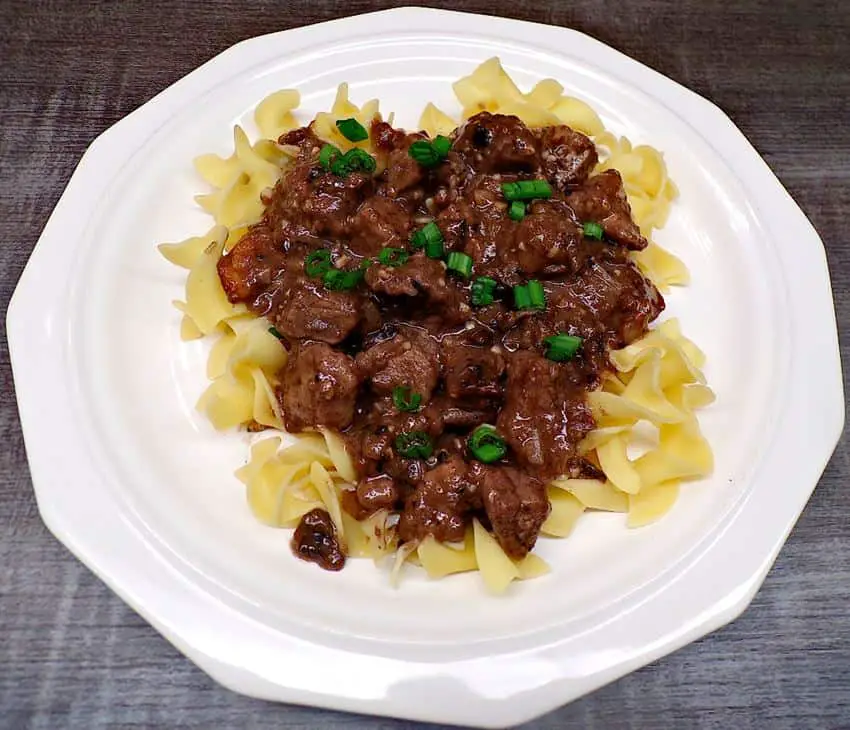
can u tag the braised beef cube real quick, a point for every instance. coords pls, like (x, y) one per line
(377, 492)
(549, 239)
(408, 360)
(516, 505)
(544, 415)
(419, 276)
(439, 505)
(403, 172)
(250, 265)
(567, 157)
(322, 204)
(315, 540)
(602, 199)
(497, 143)
(318, 388)
(471, 370)
(379, 222)
(311, 312)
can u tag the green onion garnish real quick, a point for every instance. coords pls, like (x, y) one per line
(486, 445)
(327, 155)
(593, 230)
(482, 291)
(352, 161)
(530, 296)
(562, 346)
(459, 263)
(405, 400)
(430, 153)
(317, 262)
(522, 299)
(429, 237)
(414, 445)
(352, 130)
(516, 210)
(274, 332)
(526, 190)
(536, 294)
(393, 256)
(339, 280)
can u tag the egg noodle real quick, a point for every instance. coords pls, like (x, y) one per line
(646, 405)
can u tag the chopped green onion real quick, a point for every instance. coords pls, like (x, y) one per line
(486, 445)
(482, 291)
(562, 347)
(526, 190)
(327, 155)
(339, 280)
(593, 230)
(434, 249)
(536, 294)
(442, 145)
(393, 256)
(429, 234)
(414, 445)
(274, 332)
(317, 262)
(459, 263)
(522, 299)
(352, 161)
(405, 400)
(352, 130)
(428, 153)
(516, 210)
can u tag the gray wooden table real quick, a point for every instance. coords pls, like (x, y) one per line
(73, 656)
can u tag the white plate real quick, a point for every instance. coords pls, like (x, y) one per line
(140, 488)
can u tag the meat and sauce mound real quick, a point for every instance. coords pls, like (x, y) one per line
(447, 304)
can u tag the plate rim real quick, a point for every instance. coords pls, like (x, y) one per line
(479, 709)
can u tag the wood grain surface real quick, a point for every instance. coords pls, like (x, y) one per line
(73, 656)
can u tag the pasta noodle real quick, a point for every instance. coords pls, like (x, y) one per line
(657, 381)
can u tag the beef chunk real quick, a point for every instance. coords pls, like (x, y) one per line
(318, 388)
(516, 505)
(544, 415)
(316, 201)
(379, 222)
(312, 312)
(497, 143)
(609, 297)
(407, 360)
(549, 239)
(315, 540)
(471, 370)
(377, 492)
(567, 157)
(250, 265)
(439, 504)
(420, 275)
(602, 200)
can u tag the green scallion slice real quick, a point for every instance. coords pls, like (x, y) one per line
(460, 263)
(486, 445)
(593, 230)
(522, 299)
(339, 280)
(536, 294)
(430, 153)
(430, 233)
(327, 155)
(482, 291)
(352, 130)
(393, 256)
(414, 445)
(562, 347)
(526, 190)
(434, 249)
(405, 400)
(273, 331)
(317, 262)
(516, 210)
